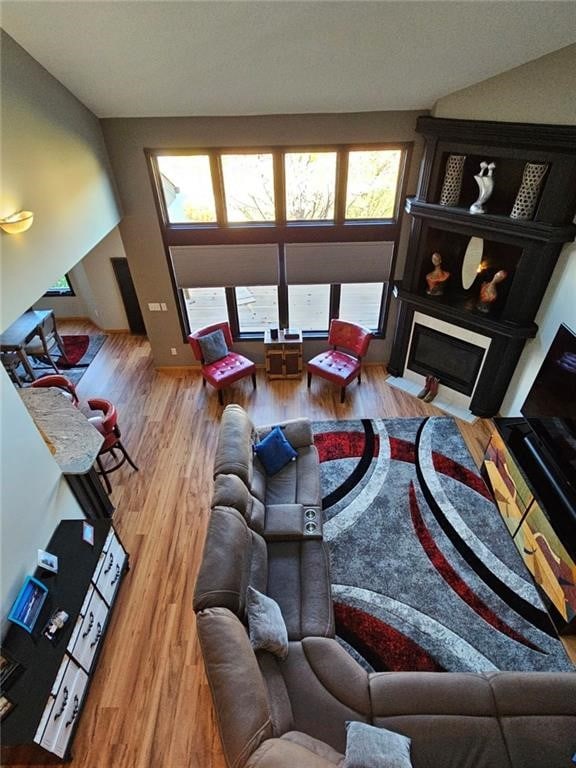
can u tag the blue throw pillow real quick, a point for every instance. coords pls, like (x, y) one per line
(213, 346)
(274, 451)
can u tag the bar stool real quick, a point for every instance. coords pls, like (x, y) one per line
(107, 425)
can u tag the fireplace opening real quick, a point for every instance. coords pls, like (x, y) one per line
(454, 361)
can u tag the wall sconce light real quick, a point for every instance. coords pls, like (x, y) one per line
(17, 222)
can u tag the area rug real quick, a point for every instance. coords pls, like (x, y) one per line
(81, 349)
(425, 575)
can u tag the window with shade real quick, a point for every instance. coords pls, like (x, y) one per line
(276, 236)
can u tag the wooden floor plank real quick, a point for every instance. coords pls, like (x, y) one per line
(149, 704)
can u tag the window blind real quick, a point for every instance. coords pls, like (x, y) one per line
(311, 263)
(215, 266)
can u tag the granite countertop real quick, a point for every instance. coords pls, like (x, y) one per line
(72, 440)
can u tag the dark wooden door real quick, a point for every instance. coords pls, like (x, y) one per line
(129, 297)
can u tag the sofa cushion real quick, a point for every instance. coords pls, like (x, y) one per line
(315, 745)
(238, 691)
(299, 581)
(234, 448)
(531, 704)
(266, 626)
(230, 491)
(278, 699)
(274, 451)
(297, 431)
(452, 718)
(234, 557)
(326, 688)
(369, 747)
(213, 346)
(298, 482)
(282, 753)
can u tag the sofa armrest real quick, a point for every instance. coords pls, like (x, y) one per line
(281, 753)
(298, 431)
(238, 690)
(286, 522)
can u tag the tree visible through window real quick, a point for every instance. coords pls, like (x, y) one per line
(310, 185)
(248, 187)
(372, 184)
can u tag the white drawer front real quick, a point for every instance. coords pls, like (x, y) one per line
(88, 631)
(62, 711)
(110, 570)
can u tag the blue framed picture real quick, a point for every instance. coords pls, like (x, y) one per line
(28, 604)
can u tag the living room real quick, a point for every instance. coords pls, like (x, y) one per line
(87, 181)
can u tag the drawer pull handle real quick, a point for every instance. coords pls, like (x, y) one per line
(110, 562)
(90, 625)
(115, 579)
(98, 635)
(63, 704)
(74, 711)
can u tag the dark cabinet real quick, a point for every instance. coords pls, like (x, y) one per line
(49, 693)
(526, 249)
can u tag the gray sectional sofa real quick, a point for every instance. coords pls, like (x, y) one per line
(267, 532)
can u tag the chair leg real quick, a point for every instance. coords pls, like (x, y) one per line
(220, 398)
(103, 474)
(342, 394)
(309, 379)
(254, 380)
(126, 456)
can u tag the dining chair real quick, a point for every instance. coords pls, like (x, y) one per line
(220, 366)
(343, 362)
(47, 340)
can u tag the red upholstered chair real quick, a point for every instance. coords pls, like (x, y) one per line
(228, 369)
(61, 382)
(107, 425)
(342, 365)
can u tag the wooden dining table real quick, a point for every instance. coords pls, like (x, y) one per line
(21, 332)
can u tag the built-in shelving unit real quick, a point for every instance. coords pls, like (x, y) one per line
(527, 250)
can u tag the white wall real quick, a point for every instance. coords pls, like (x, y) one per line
(541, 91)
(54, 163)
(97, 294)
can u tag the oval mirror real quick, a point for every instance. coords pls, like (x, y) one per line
(472, 261)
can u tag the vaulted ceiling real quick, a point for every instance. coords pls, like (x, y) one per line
(135, 58)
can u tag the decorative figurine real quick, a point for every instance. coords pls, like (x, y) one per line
(527, 197)
(485, 185)
(436, 279)
(452, 183)
(488, 292)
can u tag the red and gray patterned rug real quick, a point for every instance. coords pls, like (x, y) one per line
(425, 575)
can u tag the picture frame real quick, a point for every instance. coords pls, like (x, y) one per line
(48, 561)
(28, 604)
(88, 533)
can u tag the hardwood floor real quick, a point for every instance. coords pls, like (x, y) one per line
(149, 704)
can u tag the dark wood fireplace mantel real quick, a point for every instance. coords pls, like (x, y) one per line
(527, 250)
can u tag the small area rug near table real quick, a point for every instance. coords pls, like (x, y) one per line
(81, 349)
(425, 575)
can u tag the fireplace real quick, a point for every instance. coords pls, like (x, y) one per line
(452, 360)
(457, 356)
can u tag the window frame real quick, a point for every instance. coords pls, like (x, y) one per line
(280, 231)
(66, 292)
